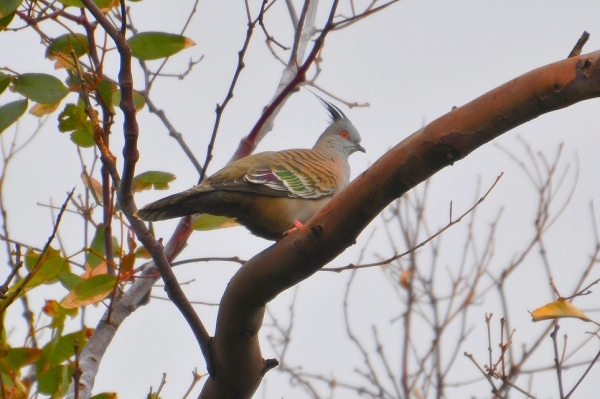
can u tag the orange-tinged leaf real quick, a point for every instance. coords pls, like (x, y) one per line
(58, 314)
(559, 308)
(101, 268)
(51, 308)
(14, 390)
(405, 278)
(91, 290)
(94, 186)
(208, 222)
(127, 262)
(40, 109)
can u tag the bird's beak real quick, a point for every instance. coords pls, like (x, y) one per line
(360, 148)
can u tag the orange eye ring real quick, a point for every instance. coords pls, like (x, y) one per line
(344, 134)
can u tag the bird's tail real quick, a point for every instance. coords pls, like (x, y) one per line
(167, 208)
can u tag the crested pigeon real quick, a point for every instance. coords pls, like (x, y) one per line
(271, 193)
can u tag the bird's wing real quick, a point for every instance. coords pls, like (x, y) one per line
(307, 174)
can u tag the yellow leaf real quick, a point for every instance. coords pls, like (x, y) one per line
(559, 308)
(40, 110)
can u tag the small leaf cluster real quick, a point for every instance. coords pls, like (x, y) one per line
(85, 99)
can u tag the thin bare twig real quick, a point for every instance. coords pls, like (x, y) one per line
(221, 107)
(557, 362)
(421, 244)
(593, 362)
(39, 263)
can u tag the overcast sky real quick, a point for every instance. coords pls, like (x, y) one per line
(411, 63)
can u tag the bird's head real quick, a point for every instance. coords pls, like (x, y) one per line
(341, 134)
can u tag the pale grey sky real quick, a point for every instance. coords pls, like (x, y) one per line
(411, 63)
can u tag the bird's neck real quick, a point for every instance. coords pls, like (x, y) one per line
(336, 154)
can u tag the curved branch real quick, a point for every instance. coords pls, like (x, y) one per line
(238, 362)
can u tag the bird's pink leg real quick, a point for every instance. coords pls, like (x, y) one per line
(295, 226)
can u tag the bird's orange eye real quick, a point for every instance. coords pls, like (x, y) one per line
(344, 134)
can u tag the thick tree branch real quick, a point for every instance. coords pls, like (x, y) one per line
(92, 354)
(238, 361)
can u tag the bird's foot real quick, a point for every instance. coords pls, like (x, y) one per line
(295, 226)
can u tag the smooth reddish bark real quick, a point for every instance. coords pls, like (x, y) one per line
(237, 362)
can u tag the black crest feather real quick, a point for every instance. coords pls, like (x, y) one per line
(335, 112)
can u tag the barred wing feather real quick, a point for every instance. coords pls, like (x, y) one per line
(306, 174)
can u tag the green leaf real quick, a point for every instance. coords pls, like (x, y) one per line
(48, 268)
(8, 7)
(105, 395)
(71, 3)
(106, 5)
(138, 100)
(52, 380)
(106, 89)
(83, 138)
(155, 45)
(4, 22)
(4, 82)
(9, 113)
(156, 179)
(206, 222)
(20, 357)
(69, 280)
(103, 5)
(64, 348)
(91, 290)
(48, 271)
(74, 119)
(98, 247)
(60, 49)
(40, 87)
